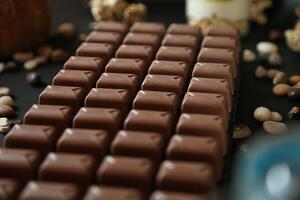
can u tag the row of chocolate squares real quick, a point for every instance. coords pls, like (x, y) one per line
(196, 177)
(43, 190)
(179, 35)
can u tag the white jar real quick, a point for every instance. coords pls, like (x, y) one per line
(205, 12)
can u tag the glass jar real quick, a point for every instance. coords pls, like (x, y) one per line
(206, 12)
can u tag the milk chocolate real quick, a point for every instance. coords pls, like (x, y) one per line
(148, 39)
(84, 141)
(167, 195)
(68, 168)
(101, 50)
(9, 189)
(183, 29)
(177, 40)
(184, 54)
(148, 27)
(105, 37)
(187, 177)
(111, 26)
(143, 52)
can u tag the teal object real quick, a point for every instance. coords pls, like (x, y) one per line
(270, 172)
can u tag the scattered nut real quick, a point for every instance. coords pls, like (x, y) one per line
(297, 85)
(59, 55)
(260, 72)
(275, 34)
(272, 73)
(34, 79)
(11, 66)
(45, 51)
(22, 57)
(2, 67)
(275, 59)
(262, 114)
(134, 13)
(4, 91)
(266, 48)
(4, 125)
(66, 30)
(34, 63)
(241, 131)
(276, 117)
(82, 37)
(249, 56)
(294, 93)
(281, 89)
(7, 100)
(279, 78)
(6, 111)
(294, 112)
(294, 79)
(275, 127)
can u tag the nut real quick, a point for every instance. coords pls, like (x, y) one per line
(22, 57)
(4, 91)
(275, 59)
(294, 79)
(297, 85)
(6, 111)
(34, 79)
(260, 72)
(11, 66)
(4, 125)
(35, 62)
(249, 56)
(241, 131)
(66, 30)
(82, 37)
(276, 117)
(279, 78)
(275, 127)
(281, 89)
(266, 48)
(7, 100)
(59, 55)
(262, 114)
(272, 73)
(2, 67)
(294, 112)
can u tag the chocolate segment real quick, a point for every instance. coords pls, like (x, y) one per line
(203, 125)
(126, 172)
(57, 116)
(152, 100)
(214, 70)
(174, 68)
(167, 195)
(111, 26)
(18, 164)
(101, 50)
(104, 37)
(153, 121)
(164, 83)
(138, 144)
(221, 42)
(84, 79)
(198, 177)
(108, 98)
(205, 103)
(183, 29)
(143, 52)
(93, 64)
(98, 118)
(84, 141)
(147, 39)
(9, 189)
(68, 168)
(211, 85)
(112, 193)
(196, 149)
(177, 40)
(62, 95)
(148, 27)
(223, 30)
(127, 66)
(39, 138)
(41, 190)
(214, 55)
(184, 54)
(119, 81)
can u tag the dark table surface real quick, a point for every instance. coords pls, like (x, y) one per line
(253, 92)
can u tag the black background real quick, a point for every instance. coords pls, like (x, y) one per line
(253, 92)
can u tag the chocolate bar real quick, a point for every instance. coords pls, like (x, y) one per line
(140, 112)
